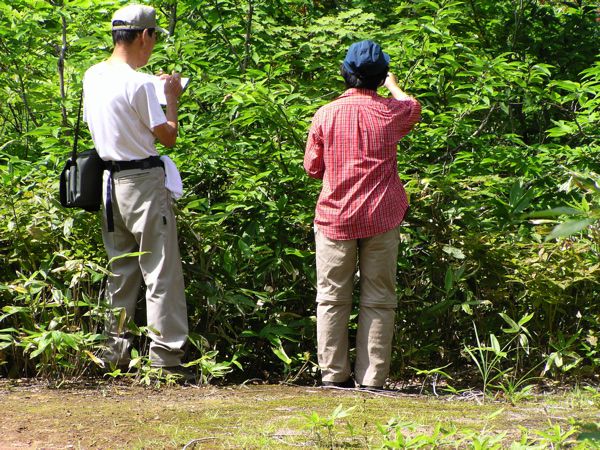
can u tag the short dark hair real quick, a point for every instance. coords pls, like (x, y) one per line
(126, 36)
(371, 82)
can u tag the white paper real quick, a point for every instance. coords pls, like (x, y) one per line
(159, 87)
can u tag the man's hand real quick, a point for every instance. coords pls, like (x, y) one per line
(173, 88)
(166, 133)
(391, 83)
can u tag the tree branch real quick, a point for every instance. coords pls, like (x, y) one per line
(171, 13)
(25, 101)
(61, 71)
(247, 44)
(221, 35)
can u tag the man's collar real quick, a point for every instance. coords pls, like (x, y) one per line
(359, 91)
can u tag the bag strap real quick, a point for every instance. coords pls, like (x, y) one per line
(76, 139)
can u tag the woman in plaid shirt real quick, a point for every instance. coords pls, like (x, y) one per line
(352, 147)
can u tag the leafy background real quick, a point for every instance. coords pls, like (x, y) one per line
(499, 258)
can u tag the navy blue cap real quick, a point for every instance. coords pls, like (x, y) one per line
(366, 58)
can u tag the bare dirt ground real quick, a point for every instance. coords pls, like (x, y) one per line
(107, 415)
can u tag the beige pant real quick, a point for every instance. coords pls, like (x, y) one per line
(336, 267)
(144, 222)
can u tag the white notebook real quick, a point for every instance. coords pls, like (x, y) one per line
(159, 87)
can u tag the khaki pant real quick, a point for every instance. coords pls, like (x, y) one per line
(144, 222)
(336, 267)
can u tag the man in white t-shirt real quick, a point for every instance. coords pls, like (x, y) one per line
(125, 119)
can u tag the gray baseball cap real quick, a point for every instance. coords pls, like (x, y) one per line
(136, 17)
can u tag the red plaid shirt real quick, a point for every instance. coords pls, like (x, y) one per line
(352, 146)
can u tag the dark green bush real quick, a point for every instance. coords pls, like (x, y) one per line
(511, 103)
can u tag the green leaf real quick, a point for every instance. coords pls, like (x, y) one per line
(282, 355)
(126, 255)
(453, 251)
(570, 86)
(449, 280)
(569, 228)
(514, 327)
(495, 344)
(554, 212)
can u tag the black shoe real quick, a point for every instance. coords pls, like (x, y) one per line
(182, 375)
(348, 384)
(365, 387)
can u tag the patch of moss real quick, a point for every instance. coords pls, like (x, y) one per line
(267, 417)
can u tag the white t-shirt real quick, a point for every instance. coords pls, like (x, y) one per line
(121, 109)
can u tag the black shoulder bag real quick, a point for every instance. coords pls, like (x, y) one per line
(81, 178)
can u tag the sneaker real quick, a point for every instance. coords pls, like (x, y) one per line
(348, 384)
(182, 375)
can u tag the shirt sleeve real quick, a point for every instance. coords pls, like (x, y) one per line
(146, 104)
(409, 113)
(314, 164)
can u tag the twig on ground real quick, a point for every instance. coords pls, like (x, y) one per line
(249, 381)
(194, 441)
(289, 383)
(378, 393)
(467, 396)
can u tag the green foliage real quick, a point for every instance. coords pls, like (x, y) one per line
(317, 424)
(402, 435)
(501, 365)
(510, 95)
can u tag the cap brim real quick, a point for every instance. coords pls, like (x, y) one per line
(162, 30)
